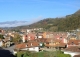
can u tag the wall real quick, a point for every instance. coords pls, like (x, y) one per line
(32, 49)
(71, 53)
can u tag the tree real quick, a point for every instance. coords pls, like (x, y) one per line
(1, 36)
(16, 38)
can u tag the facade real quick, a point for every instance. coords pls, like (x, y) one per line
(55, 43)
(36, 49)
(71, 53)
(1, 43)
(29, 36)
(30, 46)
(72, 50)
(73, 43)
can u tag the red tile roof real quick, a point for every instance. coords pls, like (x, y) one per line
(56, 45)
(27, 45)
(73, 49)
(72, 42)
(20, 46)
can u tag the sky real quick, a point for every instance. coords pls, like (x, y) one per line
(34, 10)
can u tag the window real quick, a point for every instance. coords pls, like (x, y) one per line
(60, 38)
(72, 43)
(31, 44)
(79, 43)
(26, 45)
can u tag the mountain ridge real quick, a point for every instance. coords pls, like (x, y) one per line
(70, 22)
(13, 23)
(67, 23)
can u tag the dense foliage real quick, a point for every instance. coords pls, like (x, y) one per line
(16, 38)
(1, 36)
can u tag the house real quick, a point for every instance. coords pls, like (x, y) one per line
(44, 34)
(55, 43)
(24, 38)
(41, 41)
(7, 40)
(72, 36)
(77, 55)
(73, 50)
(56, 35)
(73, 43)
(30, 46)
(1, 31)
(48, 35)
(39, 35)
(7, 43)
(78, 35)
(1, 43)
(61, 36)
(29, 36)
(23, 30)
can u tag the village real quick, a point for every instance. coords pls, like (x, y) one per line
(28, 39)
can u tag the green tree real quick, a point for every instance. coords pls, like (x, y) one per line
(16, 38)
(1, 36)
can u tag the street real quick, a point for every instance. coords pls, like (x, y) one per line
(10, 48)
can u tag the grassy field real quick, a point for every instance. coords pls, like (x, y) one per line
(42, 54)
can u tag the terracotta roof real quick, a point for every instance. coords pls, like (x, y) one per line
(30, 36)
(56, 45)
(38, 40)
(52, 39)
(62, 45)
(73, 49)
(72, 42)
(20, 46)
(77, 55)
(32, 44)
(27, 45)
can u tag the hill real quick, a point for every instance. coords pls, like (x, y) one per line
(69, 22)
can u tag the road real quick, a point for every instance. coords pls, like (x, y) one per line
(10, 48)
(7, 52)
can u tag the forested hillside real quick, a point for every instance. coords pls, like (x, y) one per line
(69, 22)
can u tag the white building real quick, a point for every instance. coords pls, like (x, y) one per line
(1, 43)
(31, 46)
(71, 53)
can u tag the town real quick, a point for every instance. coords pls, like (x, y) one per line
(39, 28)
(30, 40)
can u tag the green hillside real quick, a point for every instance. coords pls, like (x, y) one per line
(70, 22)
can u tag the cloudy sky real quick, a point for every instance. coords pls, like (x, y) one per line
(34, 10)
